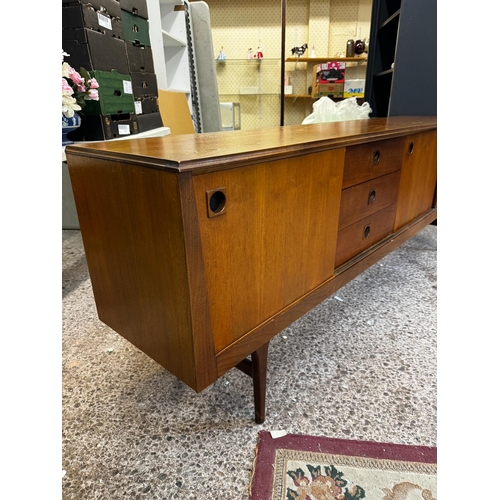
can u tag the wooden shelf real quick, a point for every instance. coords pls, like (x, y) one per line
(326, 59)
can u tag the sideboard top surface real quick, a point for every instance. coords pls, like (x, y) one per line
(219, 150)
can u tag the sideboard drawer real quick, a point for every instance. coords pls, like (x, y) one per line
(367, 161)
(364, 199)
(361, 235)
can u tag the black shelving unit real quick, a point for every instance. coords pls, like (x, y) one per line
(401, 76)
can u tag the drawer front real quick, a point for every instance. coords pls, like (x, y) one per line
(367, 161)
(365, 199)
(357, 237)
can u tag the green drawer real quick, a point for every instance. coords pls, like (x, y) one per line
(115, 94)
(135, 28)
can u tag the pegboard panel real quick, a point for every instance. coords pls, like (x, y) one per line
(255, 84)
(240, 26)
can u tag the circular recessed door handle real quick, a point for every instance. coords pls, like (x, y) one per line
(372, 195)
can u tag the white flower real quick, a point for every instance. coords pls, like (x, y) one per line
(69, 106)
(65, 69)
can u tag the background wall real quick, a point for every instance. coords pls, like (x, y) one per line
(238, 26)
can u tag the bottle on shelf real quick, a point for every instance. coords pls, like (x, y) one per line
(349, 51)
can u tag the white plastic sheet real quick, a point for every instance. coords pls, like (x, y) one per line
(326, 110)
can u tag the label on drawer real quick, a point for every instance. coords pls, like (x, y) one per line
(104, 21)
(127, 87)
(123, 129)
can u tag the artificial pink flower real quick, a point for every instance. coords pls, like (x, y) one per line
(93, 83)
(66, 87)
(76, 77)
(94, 94)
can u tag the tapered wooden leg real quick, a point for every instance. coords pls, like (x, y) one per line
(257, 369)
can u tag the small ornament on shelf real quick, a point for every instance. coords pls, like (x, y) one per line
(221, 56)
(250, 53)
(313, 52)
(359, 47)
(258, 54)
(299, 51)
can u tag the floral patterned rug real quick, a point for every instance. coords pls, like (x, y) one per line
(297, 467)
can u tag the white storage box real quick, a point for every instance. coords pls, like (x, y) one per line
(230, 115)
(354, 88)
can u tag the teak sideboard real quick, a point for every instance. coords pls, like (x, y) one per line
(202, 247)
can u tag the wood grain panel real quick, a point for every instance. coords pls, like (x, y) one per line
(367, 198)
(247, 344)
(354, 239)
(216, 151)
(418, 177)
(132, 230)
(367, 161)
(275, 240)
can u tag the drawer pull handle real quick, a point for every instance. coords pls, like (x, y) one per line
(371, 196)
(410, 148)
(216, 202)
(366, 232)
(376, 157)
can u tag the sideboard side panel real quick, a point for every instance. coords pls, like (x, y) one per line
(275, 240)
(203, 343)
(132, 230)
(417, 189)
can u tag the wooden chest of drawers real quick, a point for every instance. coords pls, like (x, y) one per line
(202, 247)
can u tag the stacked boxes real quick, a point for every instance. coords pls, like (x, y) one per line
(110, 39)
(140, 61)
(328, 79)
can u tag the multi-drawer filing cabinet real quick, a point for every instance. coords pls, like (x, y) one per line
(202, 247)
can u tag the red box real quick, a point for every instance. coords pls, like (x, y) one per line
(329, 73)
(328, 79)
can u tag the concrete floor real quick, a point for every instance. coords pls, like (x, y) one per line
(361, 365)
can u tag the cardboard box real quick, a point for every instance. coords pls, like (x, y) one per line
(354, 88)
(77, 16)
(144, 84)
(105, 127)
(112, 7)
(135, 28)
(146, 105)
(333, 90)
(136, 7)
(328, 79)
(115, 94)
(94, 51)
(140, 58)
(328, 73)
(149, 121)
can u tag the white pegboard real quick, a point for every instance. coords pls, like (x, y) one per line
(238, 26)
